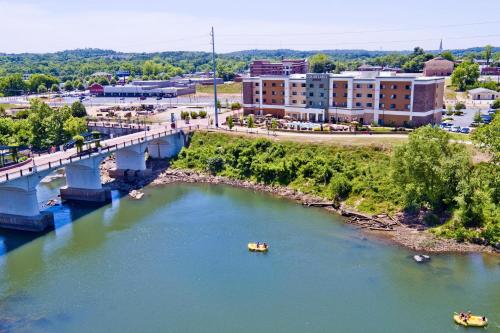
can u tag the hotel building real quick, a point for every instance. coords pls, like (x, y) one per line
(383, 97)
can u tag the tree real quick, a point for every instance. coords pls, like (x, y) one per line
(79, 141)
(202, 114)
(36, 80)
(68, 86)
(477, 117)
(488, 137)
(75, 126)
(54, 87)
(103, 81)
(321, 63)
(12, 85)
(464, 75)
(78, 109)
(487, 53)
(219, 105)
(274, 124)
(496, 104)
(230, 122)
(235, 106)
(427, 169)
(250, 123)
(41, 89)
(448, 55)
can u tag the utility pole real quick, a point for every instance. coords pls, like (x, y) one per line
(215, 79)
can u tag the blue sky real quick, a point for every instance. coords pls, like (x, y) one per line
(154, 25)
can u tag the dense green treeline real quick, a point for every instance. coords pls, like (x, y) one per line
(42, 126)
(428, 175)
(77, 66)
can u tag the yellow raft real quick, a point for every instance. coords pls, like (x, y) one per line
(473, 321)
(254, 248)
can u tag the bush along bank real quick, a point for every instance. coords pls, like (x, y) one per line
(428, 180)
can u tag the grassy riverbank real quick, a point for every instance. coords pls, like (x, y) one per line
(367, 179)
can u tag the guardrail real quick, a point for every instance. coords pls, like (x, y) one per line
(58, 163)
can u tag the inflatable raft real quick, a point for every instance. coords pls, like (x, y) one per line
(260, 248)
(473, 321)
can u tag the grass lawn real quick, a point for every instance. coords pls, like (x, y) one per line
(229, 88)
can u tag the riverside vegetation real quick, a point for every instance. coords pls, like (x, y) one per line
(429, 177)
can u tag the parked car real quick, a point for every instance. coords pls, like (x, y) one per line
(486, 118)
(465, 130)
(474, 124)
(158, 98)
(142, 98)
(455, 129)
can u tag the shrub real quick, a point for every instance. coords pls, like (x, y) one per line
(202, 114)
(340, 186)
(194, 115)
(496, 104)
(235, 106)
(459, 106)
(215, 165)
(184, 115)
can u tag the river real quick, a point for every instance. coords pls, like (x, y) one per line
(177, 261)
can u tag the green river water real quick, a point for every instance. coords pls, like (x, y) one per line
(177, 261)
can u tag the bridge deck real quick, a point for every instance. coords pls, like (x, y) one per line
(62, 158)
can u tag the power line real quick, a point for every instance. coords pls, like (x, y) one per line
(360, 31)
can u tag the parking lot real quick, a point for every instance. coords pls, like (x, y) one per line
(466, 119)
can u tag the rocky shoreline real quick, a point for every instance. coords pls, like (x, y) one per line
(396, 229)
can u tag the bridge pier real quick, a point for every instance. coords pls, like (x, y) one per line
(83, 182)
(131, 161)
(166, 147)
(19, 205)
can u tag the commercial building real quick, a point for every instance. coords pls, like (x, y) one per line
(383, 97)
(438, 67)
(284, 67)
(479, 94)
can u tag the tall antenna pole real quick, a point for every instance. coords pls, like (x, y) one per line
(215, 79)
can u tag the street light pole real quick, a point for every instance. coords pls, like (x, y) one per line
(215, 79)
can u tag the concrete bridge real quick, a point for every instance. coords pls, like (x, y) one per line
(19, 207)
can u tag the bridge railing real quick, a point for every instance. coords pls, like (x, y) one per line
(105, 149)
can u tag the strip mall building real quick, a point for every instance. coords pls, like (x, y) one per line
(383, 97)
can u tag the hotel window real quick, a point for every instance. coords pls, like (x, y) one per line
(273, 93)
(382, 96)
(303, 102)
(310, 103)
(265, 84)
(370, 86)
(369, 95)
(320, 103)
(282, 93)
(334, 94)
(311, 85)
(311, 94)
(264, 101)
(381, 105)
(392, 106)
(263, 92)
(345, 85)
(407, 97)
(407, 106)
(294, 101)
(273, 84)
(282, 84)
(256, 92)
(382, 86)
(358, 95)
(345, 94)
(393, 96)
(358, 86)
(303, 93)
(256, 84)
(394, 86)
(358, 104)
(369, 105)
(321, 95)
(407, 87)
(294, 84)
(273, 101)
(334, 85)
(294, 93)
(321, 85)
(303, 85)
(257, 100)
